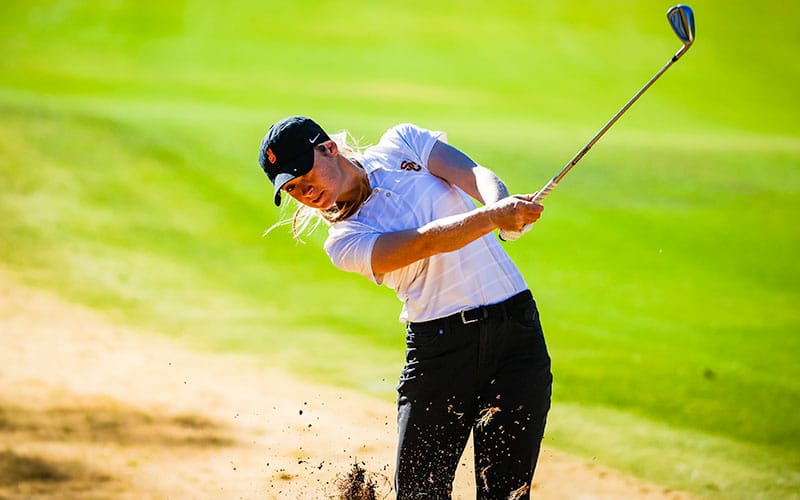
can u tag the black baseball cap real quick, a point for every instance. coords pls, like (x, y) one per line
(287, 151)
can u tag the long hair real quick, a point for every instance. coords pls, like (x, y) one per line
(305, 219)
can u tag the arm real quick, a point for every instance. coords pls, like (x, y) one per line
(479, 182)
(398, 249)
(459, 169)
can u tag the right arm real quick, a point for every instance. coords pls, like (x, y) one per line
(401, 248)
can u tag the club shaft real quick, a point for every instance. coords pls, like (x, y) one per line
(552, 183)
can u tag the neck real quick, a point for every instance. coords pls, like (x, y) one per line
(357, 181)
(353, 197)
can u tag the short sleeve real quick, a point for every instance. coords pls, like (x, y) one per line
(349, 246)
(414, 141)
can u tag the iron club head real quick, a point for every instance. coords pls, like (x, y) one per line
(681, 18)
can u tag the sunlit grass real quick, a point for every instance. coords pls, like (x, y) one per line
(664, 266)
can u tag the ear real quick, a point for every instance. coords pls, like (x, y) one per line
(329, 148)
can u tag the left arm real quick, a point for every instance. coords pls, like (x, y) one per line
(458, 169)
(482, 184)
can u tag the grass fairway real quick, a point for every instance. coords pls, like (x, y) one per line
(665, 266)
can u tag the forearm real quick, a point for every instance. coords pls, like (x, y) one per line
(401, 248)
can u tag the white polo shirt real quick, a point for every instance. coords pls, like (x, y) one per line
(405, 196)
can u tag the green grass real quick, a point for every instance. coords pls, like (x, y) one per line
(664, 267)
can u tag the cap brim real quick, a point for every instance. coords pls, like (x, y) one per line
(279, 181)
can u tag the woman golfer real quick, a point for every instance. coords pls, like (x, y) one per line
(401, 213)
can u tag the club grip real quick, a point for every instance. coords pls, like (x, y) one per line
(514, 235)
(538, 198)
(545, 191)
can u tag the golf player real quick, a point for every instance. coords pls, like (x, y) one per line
(401, 213)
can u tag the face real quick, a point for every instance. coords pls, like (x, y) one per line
(322, 185)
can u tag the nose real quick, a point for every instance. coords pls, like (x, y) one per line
(307, 190)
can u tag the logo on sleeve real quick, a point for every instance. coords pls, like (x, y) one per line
(410, 166)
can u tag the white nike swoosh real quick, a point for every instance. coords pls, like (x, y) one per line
(312, 141)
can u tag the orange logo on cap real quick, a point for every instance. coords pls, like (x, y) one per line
(271, 156)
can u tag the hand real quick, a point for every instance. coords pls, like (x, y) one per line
(527, 212)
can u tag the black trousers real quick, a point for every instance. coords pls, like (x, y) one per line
(486, 371)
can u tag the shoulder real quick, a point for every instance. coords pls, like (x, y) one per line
(406, 142)
(409, 134)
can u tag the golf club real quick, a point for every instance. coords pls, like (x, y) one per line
(681, 18)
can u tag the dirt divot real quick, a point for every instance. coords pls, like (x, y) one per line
(101, 411)
(360, 484)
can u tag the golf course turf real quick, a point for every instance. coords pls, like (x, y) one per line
(664, 266)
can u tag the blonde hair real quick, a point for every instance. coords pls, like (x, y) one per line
(305, 220)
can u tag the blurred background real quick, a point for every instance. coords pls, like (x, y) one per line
(665, 266)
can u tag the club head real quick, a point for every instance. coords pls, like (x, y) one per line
(681, 18)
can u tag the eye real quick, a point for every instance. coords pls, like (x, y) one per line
(289, 188)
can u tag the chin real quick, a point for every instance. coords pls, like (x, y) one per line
(325, 204)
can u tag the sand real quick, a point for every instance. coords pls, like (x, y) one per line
(90, 409)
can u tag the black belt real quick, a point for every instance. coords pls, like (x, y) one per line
(511, 308)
